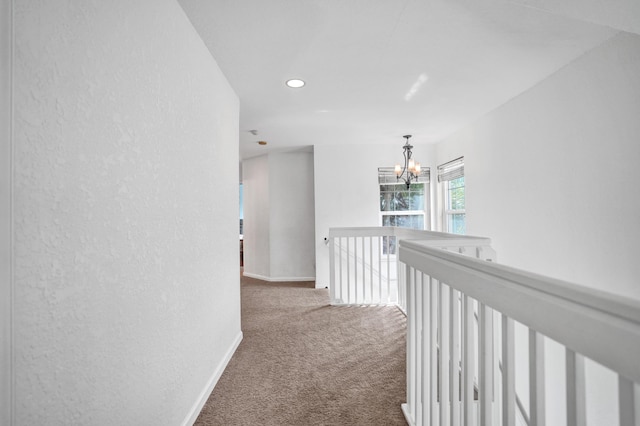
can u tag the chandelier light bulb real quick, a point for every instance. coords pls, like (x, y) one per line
(398, 170)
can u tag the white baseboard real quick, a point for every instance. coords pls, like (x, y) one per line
(206, 392)
(277, 279)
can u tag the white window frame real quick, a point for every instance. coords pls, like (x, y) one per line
(446, 173)
(450, 212)
(386, 176)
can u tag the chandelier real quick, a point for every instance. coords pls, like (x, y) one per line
(411, 169)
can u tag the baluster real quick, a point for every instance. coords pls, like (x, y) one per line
(576, 408)
(468, 361)
(626, 401)
(355, 270)
(364, 275)
(380, 251)
(401, 288)
(508, 373)
(486, 364)
(371, 269)
(636, 402)
(341, 271)
(433, 361)
(536, 379)
(417, 360)
(426, 349)
(497, 375)
(444, 354)
(389, 268)
(348, 262)
(411, 397)
(454, 370)
(332, 270)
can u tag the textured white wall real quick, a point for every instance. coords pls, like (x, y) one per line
(6, 41)
(292, 223)
(126, 214)
(550, 178)
(346, 188)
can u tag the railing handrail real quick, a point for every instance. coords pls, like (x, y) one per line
(407, 233)
(602, 326)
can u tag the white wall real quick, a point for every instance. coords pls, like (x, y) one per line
(292, 220)
(549, 175)
(6, 41)
(347, 191)
(550, 178)
(125, 191)
(279, 217)
(255, 182)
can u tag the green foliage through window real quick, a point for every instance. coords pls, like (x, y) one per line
(402, 207)
(399, 198)
(456, 194)
(455, 206)
(415, 221)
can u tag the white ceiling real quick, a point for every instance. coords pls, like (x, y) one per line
(380, 69)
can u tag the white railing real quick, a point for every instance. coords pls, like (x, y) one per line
(364, 269)
(460, 371)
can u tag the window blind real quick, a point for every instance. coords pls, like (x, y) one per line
(387, 175)
(451, 170)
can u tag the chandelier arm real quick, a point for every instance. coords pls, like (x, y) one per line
(406, 162)
(404, 169)
(410, 175)
(407, 156)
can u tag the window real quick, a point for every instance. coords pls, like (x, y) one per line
(451, 175)
(402, 206)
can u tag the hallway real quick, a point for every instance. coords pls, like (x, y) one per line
(304, 362)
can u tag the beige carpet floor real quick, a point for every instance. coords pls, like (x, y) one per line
(304, 362)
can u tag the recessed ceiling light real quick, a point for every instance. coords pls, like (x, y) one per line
(262, 142)
(295, 83)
